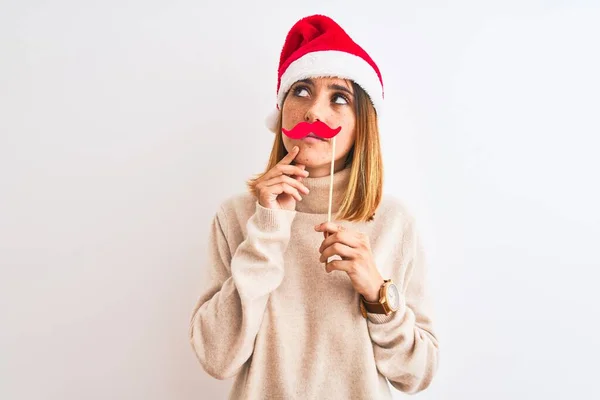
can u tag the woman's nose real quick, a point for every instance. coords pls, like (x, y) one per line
(316, 112)
(310, 116)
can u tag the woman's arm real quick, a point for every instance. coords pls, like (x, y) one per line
(404, 343)
(227, 317)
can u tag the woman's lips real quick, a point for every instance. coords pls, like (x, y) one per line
(312, 137)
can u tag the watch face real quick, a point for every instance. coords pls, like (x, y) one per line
(393, 296)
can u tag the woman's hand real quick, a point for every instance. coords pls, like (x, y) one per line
(280, 186)
(357, 260)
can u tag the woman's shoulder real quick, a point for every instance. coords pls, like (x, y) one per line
(394, 208)
(238, 206)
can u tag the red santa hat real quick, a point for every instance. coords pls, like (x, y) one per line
(316, 46)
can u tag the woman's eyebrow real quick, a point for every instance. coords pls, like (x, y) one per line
(342, 88)
(333, 86)
(307, 81)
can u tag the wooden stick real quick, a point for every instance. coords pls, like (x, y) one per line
(330, 190)
(331, 180)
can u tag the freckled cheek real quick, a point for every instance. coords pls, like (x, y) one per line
(292, 114)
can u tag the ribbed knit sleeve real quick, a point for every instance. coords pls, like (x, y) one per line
(404, 343)
(228, 315)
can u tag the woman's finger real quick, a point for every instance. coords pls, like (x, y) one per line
(282, 169)
(289, 180)
(289, 157)
(339, 265)
(283, 187)
(344, 237)
(329, 226)
(338, 249)
(284, 163)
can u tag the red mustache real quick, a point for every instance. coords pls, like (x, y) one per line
(319, 128)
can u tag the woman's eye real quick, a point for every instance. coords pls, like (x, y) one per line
(301, 90)
(340, 97)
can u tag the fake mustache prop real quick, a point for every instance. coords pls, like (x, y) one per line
(318, 128)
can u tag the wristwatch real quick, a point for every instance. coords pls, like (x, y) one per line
(389, 300)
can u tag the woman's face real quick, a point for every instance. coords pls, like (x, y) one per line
(329, 100)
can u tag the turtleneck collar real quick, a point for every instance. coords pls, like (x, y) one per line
(317, 200)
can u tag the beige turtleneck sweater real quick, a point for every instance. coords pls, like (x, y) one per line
(286, 329)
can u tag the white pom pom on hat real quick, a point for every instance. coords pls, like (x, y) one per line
(272, 119)
(317, 46)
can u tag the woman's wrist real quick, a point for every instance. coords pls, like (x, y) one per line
(373, 295)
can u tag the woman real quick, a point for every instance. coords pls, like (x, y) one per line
(279, 317)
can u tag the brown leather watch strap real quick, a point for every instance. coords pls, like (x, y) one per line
(374, 308)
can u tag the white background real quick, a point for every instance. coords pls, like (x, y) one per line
(123, 125)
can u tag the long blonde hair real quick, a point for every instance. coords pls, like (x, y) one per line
(364, 191)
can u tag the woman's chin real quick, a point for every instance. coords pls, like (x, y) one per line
(312, 157)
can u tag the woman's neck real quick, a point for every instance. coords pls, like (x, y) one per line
(325, 170)
(317, 201)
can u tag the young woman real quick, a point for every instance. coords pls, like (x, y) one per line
(278, 316)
